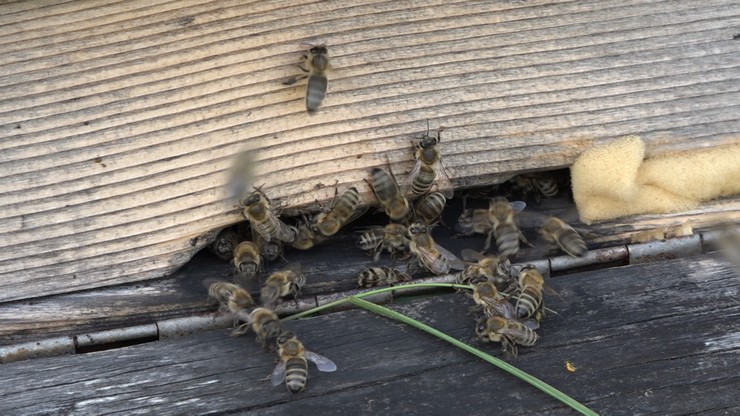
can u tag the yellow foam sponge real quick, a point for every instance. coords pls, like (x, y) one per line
(613, 180)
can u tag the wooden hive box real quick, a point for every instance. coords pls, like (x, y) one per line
(119, 121)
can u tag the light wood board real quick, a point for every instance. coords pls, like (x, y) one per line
(118, 120)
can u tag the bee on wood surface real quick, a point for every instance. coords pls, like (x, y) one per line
(375, 276)
(224, 244)
(288, 281)
(306, 238)
(493, 303)
(392, 238)
(504, 227)
(292, 367)
(428, 168)
(389, 195)
(488, 269)
(431, 255)
(662, 233)
(429, 207)
(539, 184)
(316, 66)
(531, 285)
(557, 233)
(474, 221)
(264, 322)
(247, 260)
(344, 209)
(508, 332)
(263, 220)
(230, 297)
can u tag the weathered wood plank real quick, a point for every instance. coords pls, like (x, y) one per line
(329, 268)
(659, 338)
(117, 134)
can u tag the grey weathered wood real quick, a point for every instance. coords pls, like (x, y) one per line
(118, 120)
(659, 338)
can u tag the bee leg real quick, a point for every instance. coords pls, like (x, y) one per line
(293, 80)
(524, 240)
(488, 242)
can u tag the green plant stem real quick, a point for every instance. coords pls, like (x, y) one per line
(355, 300)
(371, 293)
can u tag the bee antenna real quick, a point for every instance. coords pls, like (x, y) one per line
(427, 126)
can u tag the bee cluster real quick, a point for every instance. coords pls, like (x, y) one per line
(511, 302)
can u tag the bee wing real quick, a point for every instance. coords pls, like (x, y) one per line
(468, 254)
(284, 232)
(514, 331)
(444, 184)
(530, 323)
(410, 177)
(518, 206)
(278, 374)
(455, 263)
(322, 363)
(293, 266)
(358, 212)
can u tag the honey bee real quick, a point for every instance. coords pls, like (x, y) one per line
(344, 209)
(488, 269)
(264, 322)
(263, 221)
(389, 195)
(428, 168)
(504, 228)
(430, 207)
(375, 276)
(473, 221)
(316, 66)
(508, 332)
(558, 233)
(431, 255)
(247, 259)
(493, 303)
(531, 286)
(392, 238)
(292, 366)
(224, 245)
(540, 184)
(288, 281)
(305, 237)
(231, 297)
(662, 233)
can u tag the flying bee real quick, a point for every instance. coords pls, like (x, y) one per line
(316, 66)
(264, 322)
(504, 227)
(558, 233)
(292, 366)
(344, 209)
(392, 238)
(428, 168)
(389, 195)
(539, 184)
(493, 303)
(488, 269)
(429, 254)
(288, 281)
(473, 221)
(531, 285)
(263, 220)
(230, 297)
(428, 208)
(375, 276)
(247, 260)
(223, 245)
(508, 332)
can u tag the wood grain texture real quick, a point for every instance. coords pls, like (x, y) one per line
(658, 338)
(118, 120)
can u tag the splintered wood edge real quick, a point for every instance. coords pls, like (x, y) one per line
(114, 165)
